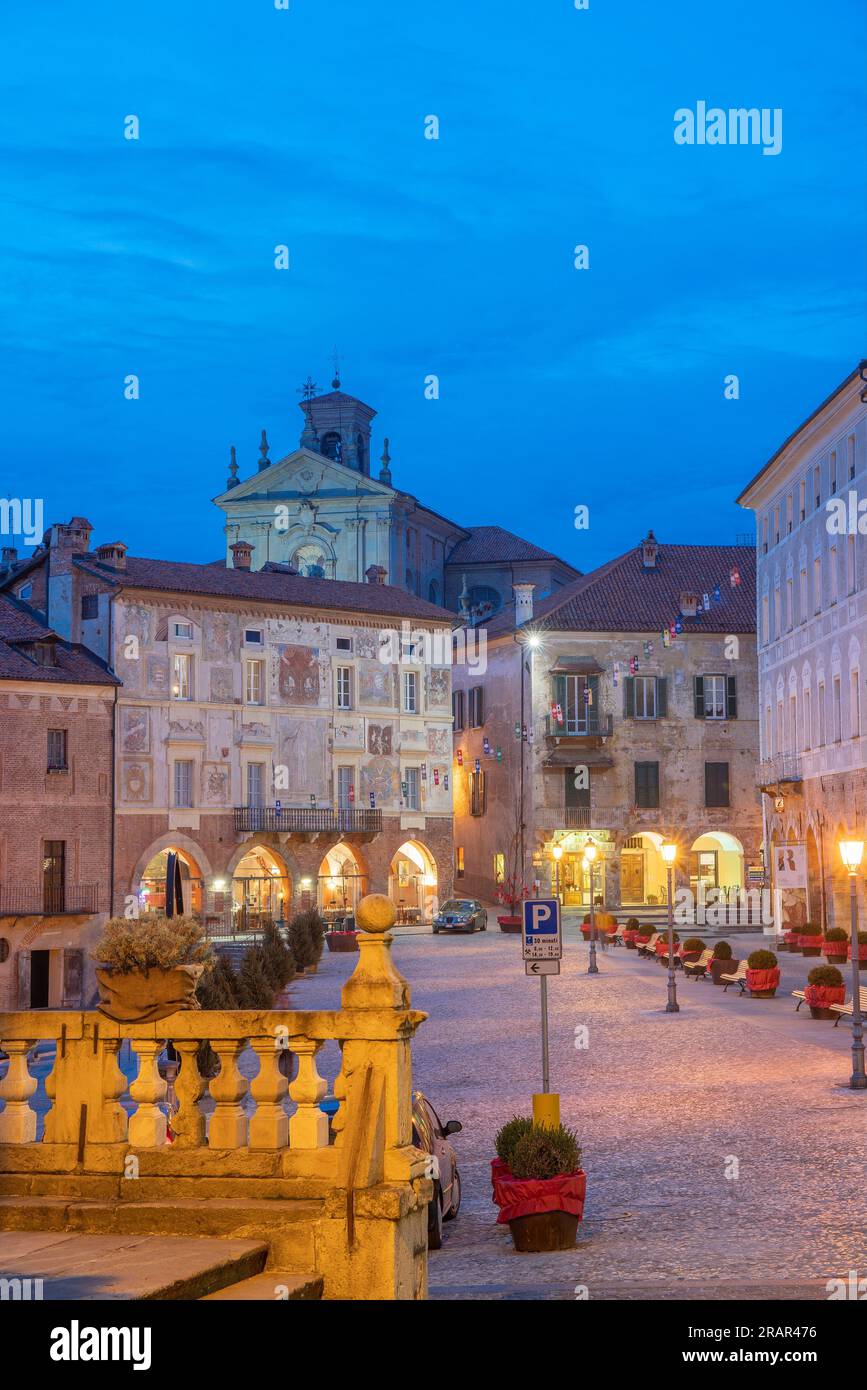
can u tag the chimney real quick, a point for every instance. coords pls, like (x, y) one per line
(649, 552)
(242, 552)
(8, 557)
(65, 541)
(523, 603)
(689, 604)
(112, 555)
(375, 574)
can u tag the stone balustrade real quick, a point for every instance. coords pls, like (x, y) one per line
(264, 1138)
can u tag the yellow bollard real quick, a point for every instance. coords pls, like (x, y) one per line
(546, 1110)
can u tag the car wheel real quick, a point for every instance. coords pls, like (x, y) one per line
(436, 931)
(435, 1220)
(484, 924)
(456, 1198)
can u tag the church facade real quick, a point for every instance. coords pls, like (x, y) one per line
(321, 511)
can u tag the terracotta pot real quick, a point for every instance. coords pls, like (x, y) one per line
(143, 996)
(722, 967)
(546, 1230)
(342, 941)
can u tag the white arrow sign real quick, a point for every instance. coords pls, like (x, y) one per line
(541, 967)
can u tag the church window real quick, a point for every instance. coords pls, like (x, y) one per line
(433, 591)
(310, 560)
(360, 453)
(183, 631)
(332, 446)
(253, 636)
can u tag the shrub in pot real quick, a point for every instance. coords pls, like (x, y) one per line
(541, 1192)
(763, 974)
(504, 1143)
(862, 947)
(149, 968)
(692, 949)
(307, 938)
(722, 963)
(836, 944)
(278, 961)
(661, 947)
(342, 940)
(825, 986)
(810, 939)
(510, 894)
(630, 932)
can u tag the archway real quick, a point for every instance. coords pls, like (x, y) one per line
(643, 878)
(412, 882)
(341, 883)
(716, 860)
(261, 891)
(152, 882)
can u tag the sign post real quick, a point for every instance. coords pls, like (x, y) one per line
(543, 950)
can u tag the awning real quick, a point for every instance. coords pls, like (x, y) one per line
(576, 757)
(576, 666)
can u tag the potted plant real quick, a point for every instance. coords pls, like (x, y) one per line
(824, 987)
(723, 962)
(862, 947)
(642, 937)
(630, 933)
(510, 895)
(149, 969)
(587, 928)
(763, 974)
(691, 950)
(836, 944)
(661, 947)
(810, 940)
(507, 1138)
(307, 939)
(541, 1188)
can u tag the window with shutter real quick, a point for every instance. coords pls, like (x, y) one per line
(477, 794)
(458, 710)
(57, 750)
(699, 697)
(661, 697)
(716, 784)
(731, 697)
(647, 784)
(629, 697)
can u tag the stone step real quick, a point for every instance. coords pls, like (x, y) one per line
(112, 1267)
(273, 1286)
(289, 1227)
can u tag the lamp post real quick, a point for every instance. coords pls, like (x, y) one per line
(851, 852)
(557, 855)
(590, 852)
(669, 854)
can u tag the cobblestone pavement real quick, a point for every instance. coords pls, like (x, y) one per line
(660, 1103)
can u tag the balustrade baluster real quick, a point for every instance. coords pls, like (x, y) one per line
(228, 1129)
(269, 1125)
(17, 1120)
(308, 1127)
(147, 1127)
(188, 1123)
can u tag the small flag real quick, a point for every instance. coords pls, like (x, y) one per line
(633, 665)
(446, 780)
(735, 577)
(671, 629)
(648, 648)
(524, 732)
(717, 595)
(530, 734)
(665, 637)
(588, 695)
(478, 764)
(615, 674)
(557, 713)
(678, 626)
(351, 792)
(517, 730)
(499, 754)
(486, 747)
(373, 801)
(706, 602)
(459, 754)
(436, 776)
(424, 772)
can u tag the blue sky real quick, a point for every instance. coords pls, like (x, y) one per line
(454, 257)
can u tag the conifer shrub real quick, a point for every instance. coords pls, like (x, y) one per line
(722, 951)
(827, 975)
(546, 1153)
(508, 1136)
(761, 960)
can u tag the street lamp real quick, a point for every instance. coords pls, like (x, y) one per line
(590, 852)
(557, 855)
(668, 850)
(851, 852)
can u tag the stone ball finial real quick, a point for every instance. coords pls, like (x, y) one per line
(375, 913)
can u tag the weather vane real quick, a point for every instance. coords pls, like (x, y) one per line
(309, 389)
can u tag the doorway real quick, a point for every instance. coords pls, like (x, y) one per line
(40, 962)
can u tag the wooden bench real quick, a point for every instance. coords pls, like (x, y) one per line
(846, 1010)
(697, 969)
(738, 978)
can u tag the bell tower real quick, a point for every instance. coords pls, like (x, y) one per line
(337, 425)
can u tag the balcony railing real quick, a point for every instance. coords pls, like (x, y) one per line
(783, 767)
(578, 817)
(597, 724)
(49, 902)
(306, 819)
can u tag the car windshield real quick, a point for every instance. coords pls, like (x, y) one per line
(457, 905)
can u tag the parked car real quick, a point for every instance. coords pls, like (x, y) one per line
(461, 914)
(431, 1135)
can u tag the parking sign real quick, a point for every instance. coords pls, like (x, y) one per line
(543, 939)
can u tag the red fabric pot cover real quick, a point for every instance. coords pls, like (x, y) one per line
(791, 936)
(809, 940)
(499, 1170)
(763, 979)
(629, 934)
(836, 948)
(661, 947)
(862, 952)
(822, 996)
(642, 938)
(529, 1196)
(585, 930)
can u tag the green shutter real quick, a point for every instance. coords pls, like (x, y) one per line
(559, 697)
(661, 697)
(629, 697)
(699, 697)
(731, 698)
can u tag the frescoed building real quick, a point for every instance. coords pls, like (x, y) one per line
(812, 650)
(259, 736)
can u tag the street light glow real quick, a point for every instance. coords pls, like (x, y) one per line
(668, 852)
(557, 852)
(590, 851)
(851, 852)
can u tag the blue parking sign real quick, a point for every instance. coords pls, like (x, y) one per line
(542, 937)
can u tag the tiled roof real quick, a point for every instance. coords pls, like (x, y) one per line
(75, 665)
(490, 544)
(295, 591)
(622, 596)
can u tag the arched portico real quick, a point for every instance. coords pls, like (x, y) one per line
(149, 875)
(341, 881)
(716, 860)
(413, 881)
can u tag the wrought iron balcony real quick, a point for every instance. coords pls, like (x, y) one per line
(597, 724)
(56, 901)
(782, 768)
(309, 820)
